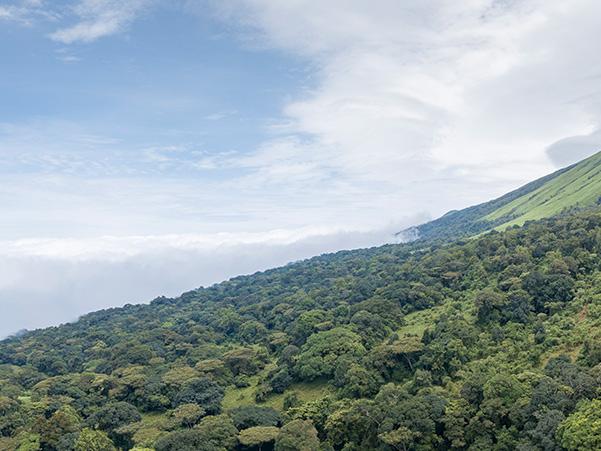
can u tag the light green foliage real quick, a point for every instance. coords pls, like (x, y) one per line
(28, 442)
(258, 435)
(582, 430)
(298, 435)
(580, 186)
(218, 430)
(576, 187)
(325, 350)
(91, 440)
(187, 415)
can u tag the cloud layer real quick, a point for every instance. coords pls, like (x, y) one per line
(50, 281)
(409, 90)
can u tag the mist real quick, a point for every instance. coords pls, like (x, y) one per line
(49, 282)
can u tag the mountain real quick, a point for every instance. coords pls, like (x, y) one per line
(492, 343)
(577, 186)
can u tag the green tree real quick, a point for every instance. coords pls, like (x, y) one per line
(63, 422)
(323, 351)
(187, 415)
(92, 440)
(297, 435)
(202, 391)
(258, 436)
(114, 415)
(581, 431)
(187, 440)
(250, 416)
(219, 431)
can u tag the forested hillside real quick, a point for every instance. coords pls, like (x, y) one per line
(489, 344)
(577, 186)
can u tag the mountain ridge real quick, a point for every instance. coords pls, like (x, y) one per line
(566, 188)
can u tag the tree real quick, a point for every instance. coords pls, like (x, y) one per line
(114, 415)
(298, 435)
(28, 442)
(187, 415)
(355, 424)
(281, 380)
(489, 305)
(250, 416)
(356, 381)
(187, 440)
(456, 417)
(202, 391)
(179, 375)
(243, 361)
(258, 436)
(252, 332)
(581, 431)
(219, 430)
(60, 425)
(545, 430)
(400, 438)
(324, 350)
(92, 440)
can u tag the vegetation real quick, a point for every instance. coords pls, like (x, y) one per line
(575, 187)
(488, 344)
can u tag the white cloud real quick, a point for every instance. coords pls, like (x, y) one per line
(411, 93)
(50, 281)
(575, 148)
(25, 11)
(100, 18)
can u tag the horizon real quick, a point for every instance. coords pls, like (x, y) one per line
(153, 147)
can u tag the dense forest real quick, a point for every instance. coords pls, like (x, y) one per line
(491, 343)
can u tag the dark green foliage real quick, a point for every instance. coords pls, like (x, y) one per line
(251, 416)
(189, 440)
(202, 391)
(113, 416)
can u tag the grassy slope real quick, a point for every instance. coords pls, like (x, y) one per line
(575, 186)
(578, 187)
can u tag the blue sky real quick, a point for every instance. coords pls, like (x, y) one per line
(170, 79)
(151, 146)
(160, 98)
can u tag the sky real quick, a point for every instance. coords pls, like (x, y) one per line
(149, 147)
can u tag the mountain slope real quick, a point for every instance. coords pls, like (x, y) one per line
(577, 186)
(492, 343)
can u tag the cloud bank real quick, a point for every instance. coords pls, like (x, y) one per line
(50, 281)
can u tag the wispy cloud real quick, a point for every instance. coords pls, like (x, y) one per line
(26, 11)
(218, 115)
(412, 92)
(99, 18)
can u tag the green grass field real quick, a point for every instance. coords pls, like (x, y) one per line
(578, 187)
(309, 391)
